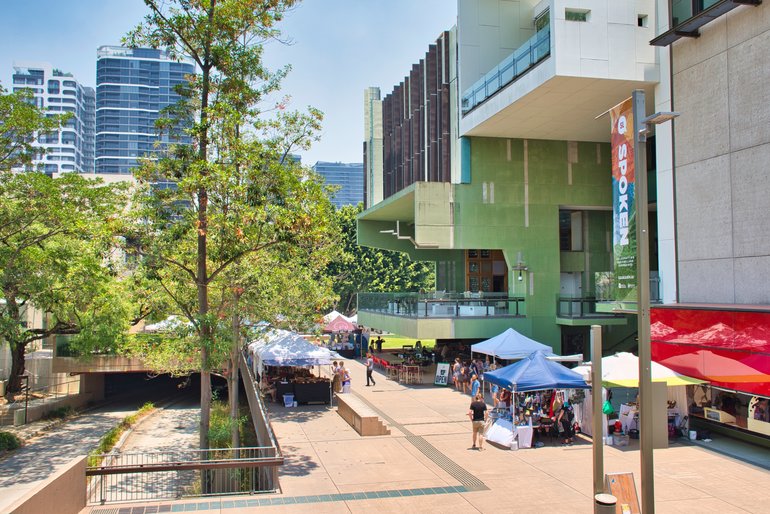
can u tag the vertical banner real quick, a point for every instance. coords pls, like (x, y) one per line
(623, 207)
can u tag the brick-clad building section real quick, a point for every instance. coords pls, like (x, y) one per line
(416, 141)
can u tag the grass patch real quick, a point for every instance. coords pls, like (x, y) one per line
(110, 439)
(393, 341)
(9, 441)
(60, 413)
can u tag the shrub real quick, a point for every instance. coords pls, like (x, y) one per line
(60, 413)
(9, 441)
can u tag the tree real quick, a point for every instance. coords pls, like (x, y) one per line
(236, 193)
(361, 268)
(54, 237)
(20, 122)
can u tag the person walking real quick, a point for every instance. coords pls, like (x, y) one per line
(369, 369)
(478, 415)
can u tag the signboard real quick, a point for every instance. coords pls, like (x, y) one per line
(442, 374)
(623, 205)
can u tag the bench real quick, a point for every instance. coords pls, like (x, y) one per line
(360, 416)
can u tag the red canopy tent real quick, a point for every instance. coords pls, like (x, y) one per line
(339, 324)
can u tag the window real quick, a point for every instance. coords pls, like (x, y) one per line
(641, 20)
(571, 14)
(53, 87)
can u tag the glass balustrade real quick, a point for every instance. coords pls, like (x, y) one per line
(537, 48)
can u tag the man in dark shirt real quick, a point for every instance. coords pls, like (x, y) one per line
(478, 414)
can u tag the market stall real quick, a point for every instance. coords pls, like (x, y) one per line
(285, 360)
(622, 371)
(343, 337)
(535, 382)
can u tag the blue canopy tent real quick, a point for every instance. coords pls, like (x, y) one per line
(534, 373)
(510, 345)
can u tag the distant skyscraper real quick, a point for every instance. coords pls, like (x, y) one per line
(132, 86)
(71, 148)
(350, 178)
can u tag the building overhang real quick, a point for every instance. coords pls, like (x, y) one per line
(691, 26)
(419, 217)
(542, 105)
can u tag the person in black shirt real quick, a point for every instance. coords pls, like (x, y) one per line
(478, 414)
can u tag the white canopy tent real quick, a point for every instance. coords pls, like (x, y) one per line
(283, 348)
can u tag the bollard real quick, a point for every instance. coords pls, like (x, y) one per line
(604, 504)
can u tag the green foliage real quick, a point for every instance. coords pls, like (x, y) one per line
(361, 268)
(9, 441)
(236, 194)
(111, 437)
(55, 237)
(221, 425)
(20, 121)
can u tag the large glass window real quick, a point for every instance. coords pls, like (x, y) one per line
(53, 87)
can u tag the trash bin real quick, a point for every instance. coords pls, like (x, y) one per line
(604, 504)
(288, 400)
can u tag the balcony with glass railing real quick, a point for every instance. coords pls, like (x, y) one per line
(442, 305)
(523, 59)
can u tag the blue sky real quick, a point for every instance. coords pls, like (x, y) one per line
(339, 47)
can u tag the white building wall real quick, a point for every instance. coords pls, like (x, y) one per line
(664, 141)
(721, 82)
(77, 153)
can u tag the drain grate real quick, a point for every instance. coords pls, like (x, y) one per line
(467, 479)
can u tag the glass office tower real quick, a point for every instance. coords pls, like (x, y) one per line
(350, 178)
(133, 86)
(70, 149)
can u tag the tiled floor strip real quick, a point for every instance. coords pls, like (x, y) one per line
(468, 480)
(278, 500)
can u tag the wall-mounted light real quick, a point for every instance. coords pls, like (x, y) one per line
(520, 267)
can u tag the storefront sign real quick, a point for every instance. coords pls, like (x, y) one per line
(442, 374)
(623, 208)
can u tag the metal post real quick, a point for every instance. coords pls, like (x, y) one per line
(643, 303)
(598, 416)
(26, 397)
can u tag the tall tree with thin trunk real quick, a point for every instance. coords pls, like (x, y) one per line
(235, 194)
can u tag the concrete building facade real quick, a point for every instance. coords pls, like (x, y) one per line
(719, 327)
(70, 149)
(348, 177)
(133, 86)
(519, 226)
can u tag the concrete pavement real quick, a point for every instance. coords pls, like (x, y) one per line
(426, 465)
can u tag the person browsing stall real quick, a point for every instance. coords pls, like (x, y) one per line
(478, 415)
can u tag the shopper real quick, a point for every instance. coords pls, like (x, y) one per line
(478, 415)
(565, 419)
(456, 370)
(475, 386)
(369, 370)
(345, 378)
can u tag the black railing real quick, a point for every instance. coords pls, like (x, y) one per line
(576, 308)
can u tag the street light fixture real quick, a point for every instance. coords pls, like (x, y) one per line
(642, 126)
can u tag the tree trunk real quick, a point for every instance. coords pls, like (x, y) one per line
(203, 277)
(17, 370)
(232, 382)
(16, 346)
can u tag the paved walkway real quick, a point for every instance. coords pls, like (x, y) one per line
(426, 465)
(39, 458)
